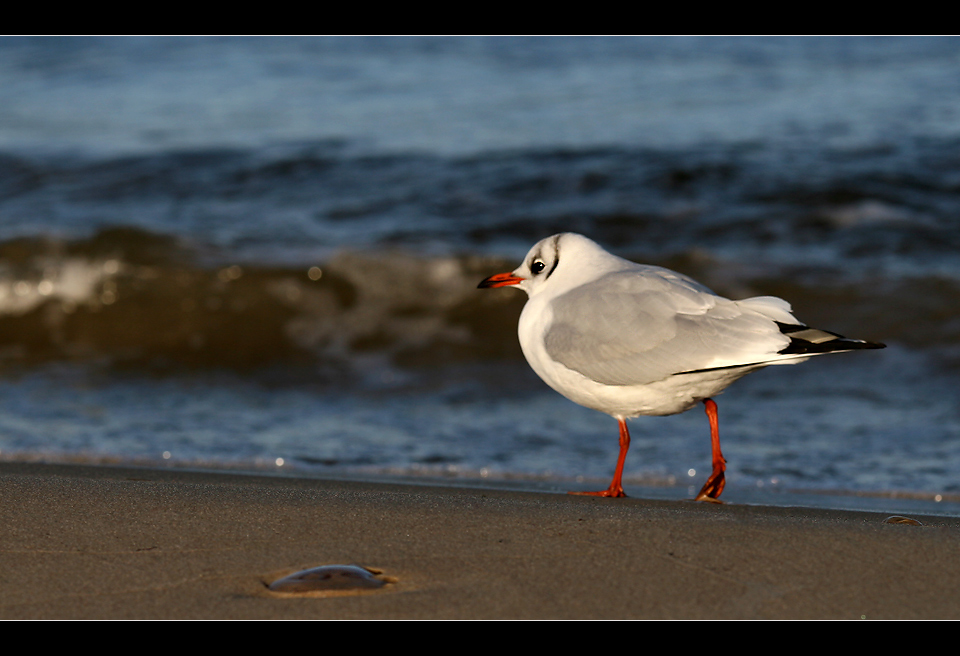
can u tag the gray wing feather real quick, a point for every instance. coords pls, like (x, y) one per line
(637, 327)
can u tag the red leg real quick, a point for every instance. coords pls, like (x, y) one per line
(712, 489)
(616, 487)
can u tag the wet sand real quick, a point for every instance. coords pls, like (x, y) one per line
(129, 543)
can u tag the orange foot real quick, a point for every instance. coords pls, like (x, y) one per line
(712, 489)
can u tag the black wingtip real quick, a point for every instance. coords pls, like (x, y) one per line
(804, 339)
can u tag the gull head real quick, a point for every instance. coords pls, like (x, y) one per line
(558, 264)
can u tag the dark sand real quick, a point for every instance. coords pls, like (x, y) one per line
(118, 543)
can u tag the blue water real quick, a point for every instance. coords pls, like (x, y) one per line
(262, 253)
(461, 95)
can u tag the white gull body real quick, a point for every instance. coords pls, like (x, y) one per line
(629, 339)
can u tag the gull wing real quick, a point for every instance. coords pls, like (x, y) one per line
(639, 326)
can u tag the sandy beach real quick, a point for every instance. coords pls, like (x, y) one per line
(125, 543)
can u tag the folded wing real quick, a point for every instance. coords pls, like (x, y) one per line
(636, 327)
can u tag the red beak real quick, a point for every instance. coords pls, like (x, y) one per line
(500, 280)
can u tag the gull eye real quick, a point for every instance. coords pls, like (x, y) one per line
(537, 266)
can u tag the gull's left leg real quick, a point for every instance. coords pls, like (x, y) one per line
(714, 486)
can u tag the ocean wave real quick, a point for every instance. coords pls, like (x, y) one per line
(138, 299)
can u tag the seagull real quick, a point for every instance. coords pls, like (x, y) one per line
(633, 340)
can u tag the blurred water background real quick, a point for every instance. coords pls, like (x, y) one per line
(262, 253)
